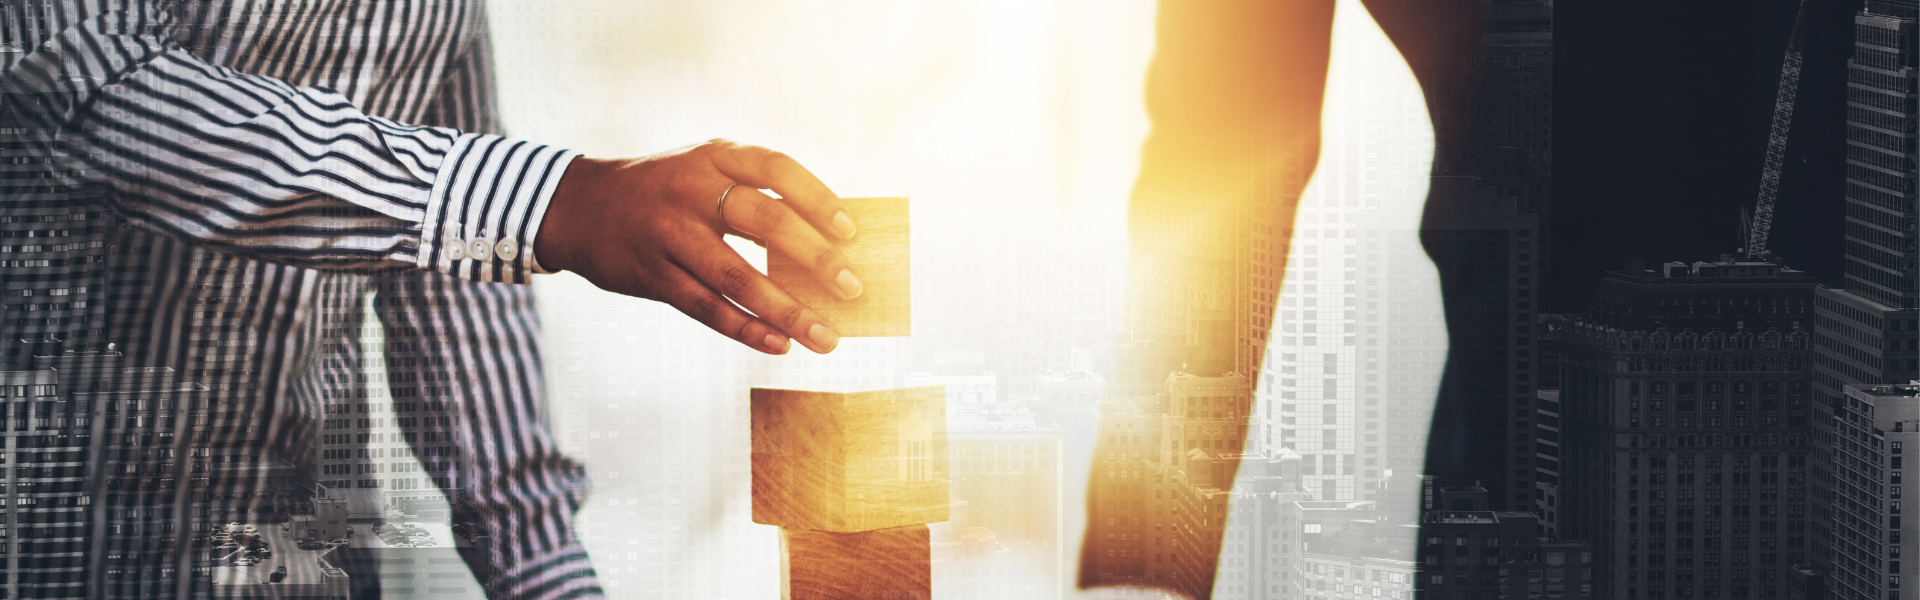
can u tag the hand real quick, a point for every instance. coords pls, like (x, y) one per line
(649, 227)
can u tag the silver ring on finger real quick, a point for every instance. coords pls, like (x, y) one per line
(721, 208)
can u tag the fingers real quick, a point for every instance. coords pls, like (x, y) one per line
(761, 216)
(767, 169)
(726, 272)
(689, 296)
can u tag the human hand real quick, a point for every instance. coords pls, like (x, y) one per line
(652, 226)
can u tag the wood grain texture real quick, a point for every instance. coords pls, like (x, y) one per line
(849, 462)
(886, 564)
(881, 257)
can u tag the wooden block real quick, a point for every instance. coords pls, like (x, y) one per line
(849, 462)
(893, 563)
(880, 256)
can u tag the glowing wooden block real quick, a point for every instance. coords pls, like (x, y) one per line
(880, 256)
(894, 563)
(849, 462)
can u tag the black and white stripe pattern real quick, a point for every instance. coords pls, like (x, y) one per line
(282, 155)
(328, 149)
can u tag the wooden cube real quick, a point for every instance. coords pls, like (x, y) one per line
(849, 462)
(880, 256)
(895, 563)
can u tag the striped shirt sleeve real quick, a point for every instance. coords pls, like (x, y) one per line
(261, 167)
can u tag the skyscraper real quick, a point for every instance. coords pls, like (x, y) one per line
(1684, 445)
(1880, 170)
(1502, 139)
(1866, 331)
(1513, 110)
(1485, 251)
(53, 240)
(1865, 434)
(1881, 287)
(1162, 480)
(1007, 477)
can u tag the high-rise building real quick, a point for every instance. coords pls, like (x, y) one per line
(1161, 483)
(1684, 441)
(24, 23)
(389, 429)
(1865, 331)
(53, 246)
(1252, 556)
(970, 562)
(1486, 253)
(1512, 136)
(1007, 472)
(1006, 468)
(1492, 152)
(1547, 437)
(1880, 248)
(1366, 556)
(1327, 546)
(1865, 328)
(1471, 552)
(1864, 435)
(1356, 343)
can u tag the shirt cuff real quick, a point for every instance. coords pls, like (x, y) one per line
(486, 206)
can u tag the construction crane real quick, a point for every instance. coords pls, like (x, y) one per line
(1761, 222)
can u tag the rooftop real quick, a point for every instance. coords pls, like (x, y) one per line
(303, 567)
(1727, 267)
(1334, 504)
(1462, 517)
(1905, 390)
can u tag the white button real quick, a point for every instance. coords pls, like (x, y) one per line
(506, 249)
(456, 248)
(480, 249)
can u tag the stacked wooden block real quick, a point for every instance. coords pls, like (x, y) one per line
(881, 255)
(852, 480)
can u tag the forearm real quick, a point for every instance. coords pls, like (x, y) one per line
(257, 166)
(1234, 95)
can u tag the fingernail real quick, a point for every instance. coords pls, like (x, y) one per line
(778, 344)
(849, 285)
(843, 224)
(825, 338)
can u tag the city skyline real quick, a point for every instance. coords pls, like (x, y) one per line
(1334, 380)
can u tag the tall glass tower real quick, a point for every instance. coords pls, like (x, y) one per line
(1880, 247)
(1865, 332)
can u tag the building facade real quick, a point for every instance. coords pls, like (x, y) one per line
(1468, 551)
(1861, 438)
(1684, 405)
(1486, 253)
(1865, 330)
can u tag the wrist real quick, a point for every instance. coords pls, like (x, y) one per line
(557, 245)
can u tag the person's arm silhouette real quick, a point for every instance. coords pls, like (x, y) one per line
(1234, 94)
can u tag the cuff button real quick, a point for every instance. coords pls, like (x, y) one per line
(506, 250)
(480, 249)
(456, 249)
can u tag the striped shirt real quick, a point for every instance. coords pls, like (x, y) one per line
(289, 130)
(281, 168)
